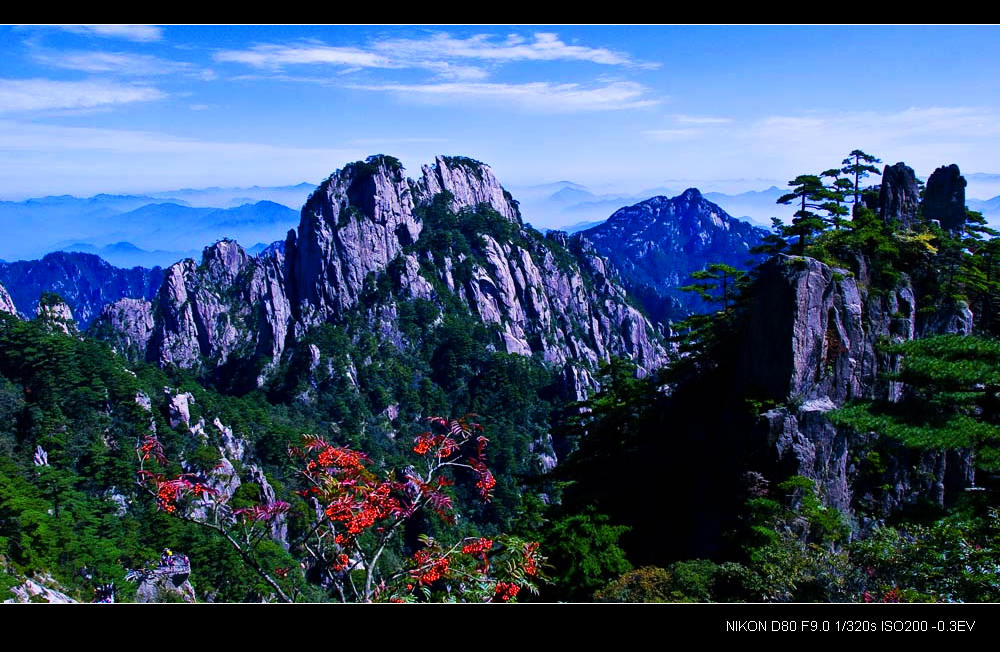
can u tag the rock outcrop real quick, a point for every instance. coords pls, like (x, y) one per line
(812, 343)
(944, 198)
(6, 303)
(55, 314)
(126, 324)
(236, 315)
(37, 590)
(899, 195)
(165, 588)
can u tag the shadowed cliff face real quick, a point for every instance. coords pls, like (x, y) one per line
(238, 314)
(812, 343)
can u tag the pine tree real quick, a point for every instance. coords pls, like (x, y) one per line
(837, 192)
(809, 192)
(859, 165)
(952, 398)
(724, 283)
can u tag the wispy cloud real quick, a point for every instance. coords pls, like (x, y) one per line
(543, 97)
(45, 94)
(18, 135)
(276, 57)
(120, 63)
(139, 33)
(545, 46)
(389, 140)
(439, 53)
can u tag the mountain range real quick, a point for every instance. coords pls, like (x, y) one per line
(572, 207)
(141, 230)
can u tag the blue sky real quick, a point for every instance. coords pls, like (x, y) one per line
(142, 108)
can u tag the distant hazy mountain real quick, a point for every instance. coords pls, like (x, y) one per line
(990, 208)
(38, 226)
(291, 196)
(126, 254)
(571, 207)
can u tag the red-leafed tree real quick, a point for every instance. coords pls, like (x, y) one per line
(360, 513)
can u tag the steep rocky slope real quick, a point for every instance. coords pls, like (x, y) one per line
(366, 227)
(6, 303)
(813, 343)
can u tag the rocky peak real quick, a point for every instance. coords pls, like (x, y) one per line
(691, 195)
(470, 182)
(357, 221)
(944, 198)
(224, 260)
(899, 195)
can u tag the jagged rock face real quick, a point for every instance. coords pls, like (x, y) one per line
(85, 282)
(126, 324)
(658, 243)
(811, 343)
(570, 314)
(944, 198)
(231, 305)
(354, 224)
(238, 313)
(899, 196)
(6, 303)
(470, 182)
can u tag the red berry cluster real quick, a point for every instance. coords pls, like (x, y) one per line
(506, 591)
(429, 568)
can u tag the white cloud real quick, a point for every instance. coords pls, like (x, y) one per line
(119, 63)
(437, 53)
(277, 56)
(140, 33)
(545, 47)
(44, 94)
(544, 97)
